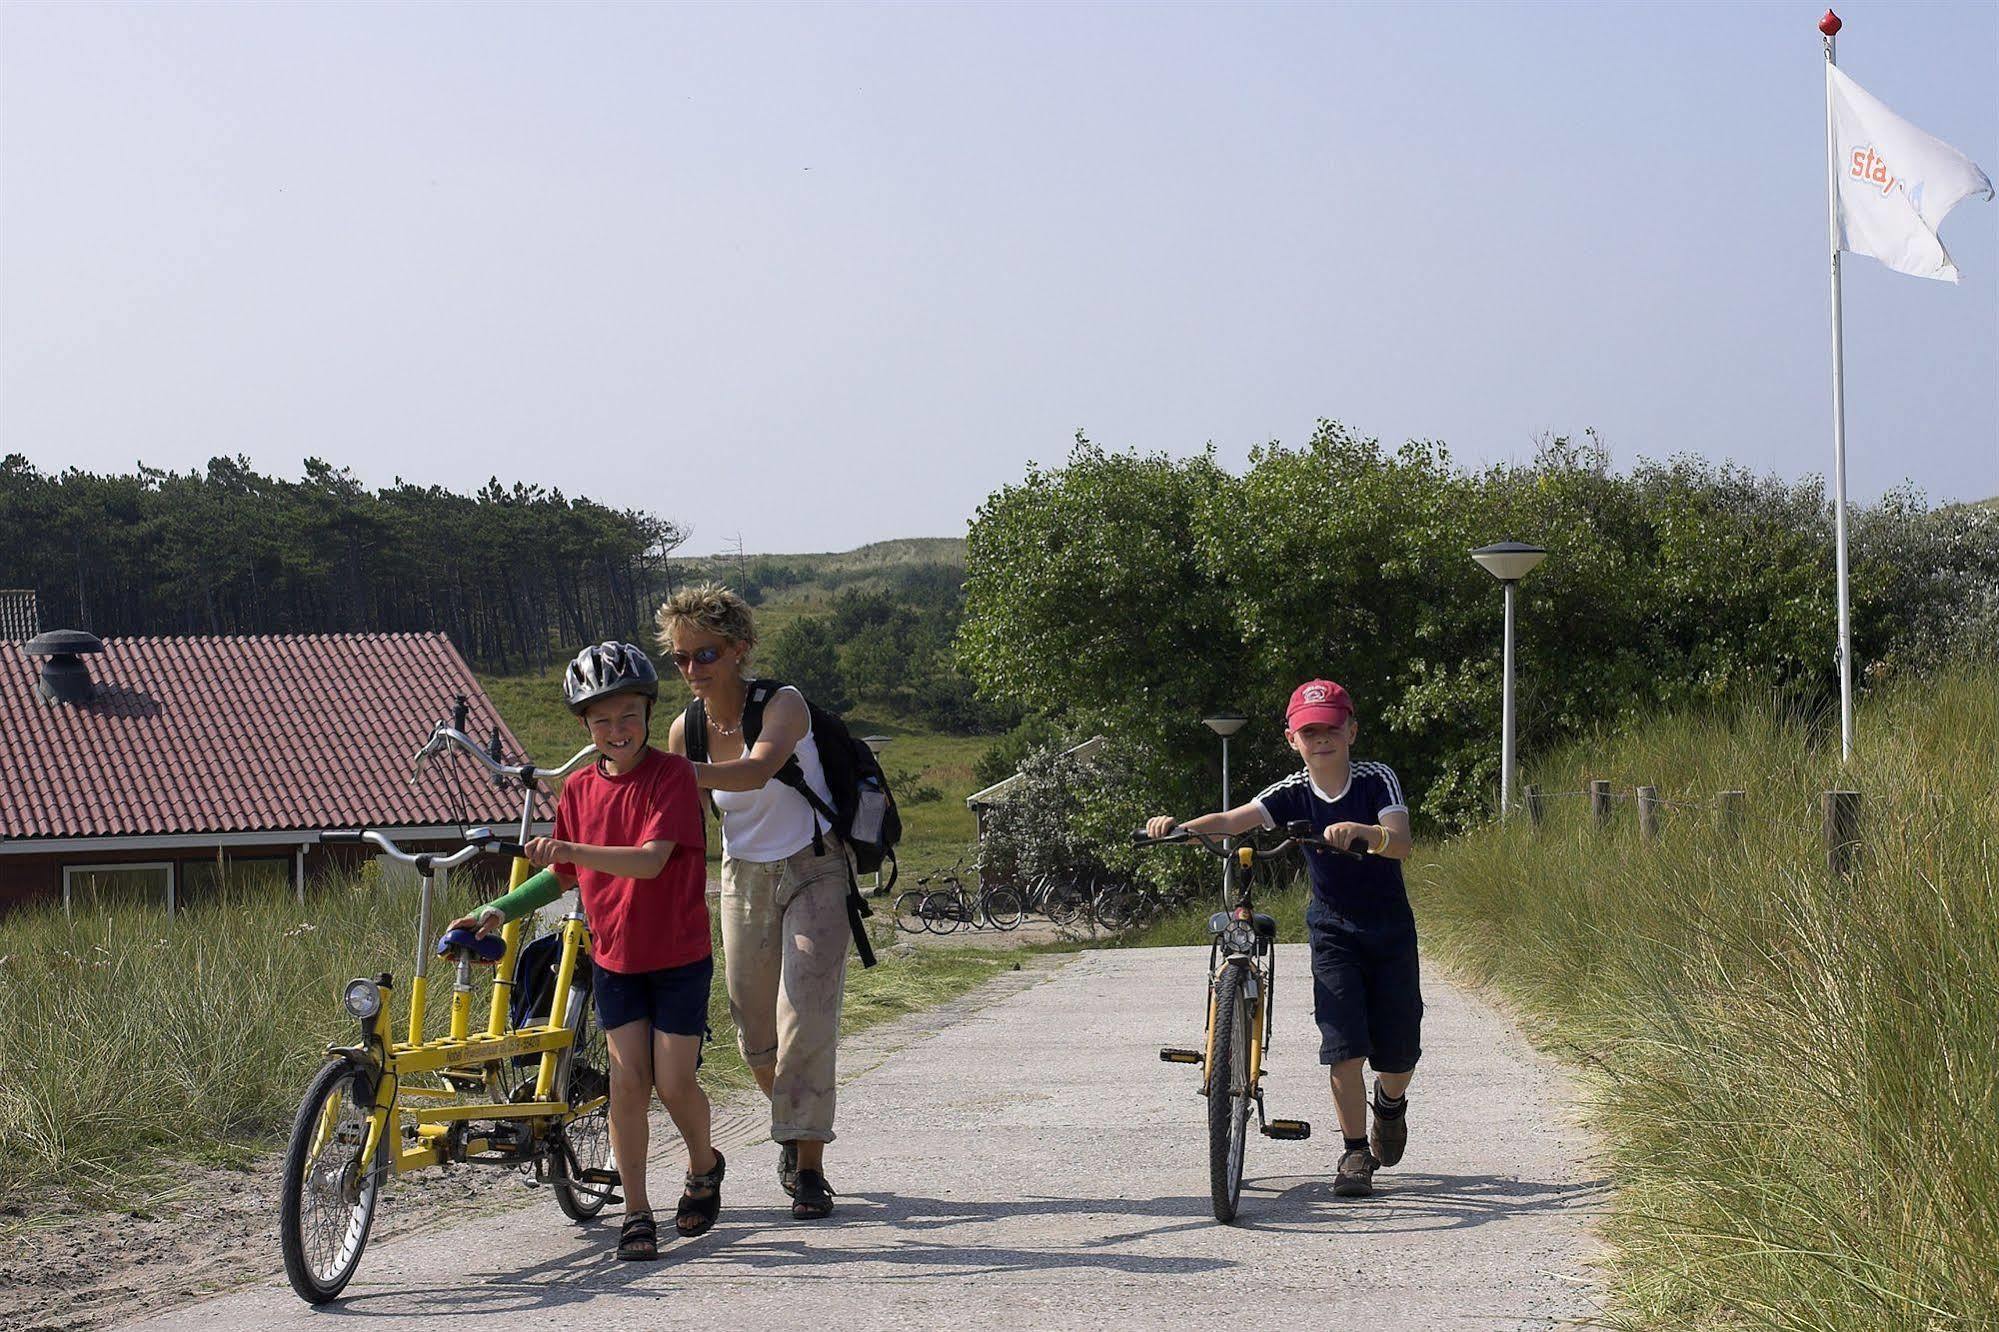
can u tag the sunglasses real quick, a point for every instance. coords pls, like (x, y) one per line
(707, 656)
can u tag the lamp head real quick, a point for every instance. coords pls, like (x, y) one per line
(1225, 724)
(1509, 561)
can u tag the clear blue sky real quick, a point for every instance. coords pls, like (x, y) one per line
(831, 274)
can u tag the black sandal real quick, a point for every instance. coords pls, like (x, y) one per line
(696, 1216)
(814, 1197)
(638, 1238)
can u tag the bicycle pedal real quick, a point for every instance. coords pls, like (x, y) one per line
(1288, 1130)
(597, 1177)
(1170, 1055)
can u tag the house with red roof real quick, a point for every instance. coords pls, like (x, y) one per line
(164, 769)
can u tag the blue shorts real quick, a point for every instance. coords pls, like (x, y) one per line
(1365, 991)
(674, 998)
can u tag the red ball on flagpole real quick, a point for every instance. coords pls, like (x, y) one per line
(1830, 24)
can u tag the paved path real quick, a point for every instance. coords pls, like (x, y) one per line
(1029, 1162)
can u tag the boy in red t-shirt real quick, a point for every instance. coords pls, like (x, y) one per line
(629, 836)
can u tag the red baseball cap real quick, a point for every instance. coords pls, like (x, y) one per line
(1317, 702)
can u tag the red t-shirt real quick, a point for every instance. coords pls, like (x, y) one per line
(640, 925)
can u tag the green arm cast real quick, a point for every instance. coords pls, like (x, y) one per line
(538, 891)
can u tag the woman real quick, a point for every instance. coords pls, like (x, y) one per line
(784, 914)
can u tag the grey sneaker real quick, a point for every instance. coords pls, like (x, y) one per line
(1388, 1135)
(787, 1168)
(1355, 1178)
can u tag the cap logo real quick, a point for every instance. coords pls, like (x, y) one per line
(1316, 693)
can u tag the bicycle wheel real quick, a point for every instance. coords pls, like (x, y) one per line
(586, 1139)
(1061, 902)
(1228, 1094)
(327, 1199)
(941, 912)
(909, 911)
(1003, 908)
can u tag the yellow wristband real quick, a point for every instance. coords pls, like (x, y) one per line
(1383, 830)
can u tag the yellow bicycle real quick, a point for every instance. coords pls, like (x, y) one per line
(530, 1090)
(1242, 974)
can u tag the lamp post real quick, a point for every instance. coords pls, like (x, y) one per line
(1509, 562)
(1225, 724)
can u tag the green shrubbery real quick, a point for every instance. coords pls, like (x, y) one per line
(1130, 594)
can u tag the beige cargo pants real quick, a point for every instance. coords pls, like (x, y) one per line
(784, 949)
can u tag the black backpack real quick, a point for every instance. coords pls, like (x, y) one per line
(863, 811)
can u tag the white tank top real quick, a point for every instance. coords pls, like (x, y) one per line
(773, 822)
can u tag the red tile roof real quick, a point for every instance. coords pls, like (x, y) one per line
(246, 734)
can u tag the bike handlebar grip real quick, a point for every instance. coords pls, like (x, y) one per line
(343, 835)
(514, 849)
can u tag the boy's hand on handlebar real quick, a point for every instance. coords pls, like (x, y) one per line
(1160, 826)
(1352, 836)
(542, 851)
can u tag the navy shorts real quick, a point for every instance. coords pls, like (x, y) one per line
(1365, 991)
(674, 998)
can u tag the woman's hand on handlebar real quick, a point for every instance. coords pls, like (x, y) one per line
(1161, 825)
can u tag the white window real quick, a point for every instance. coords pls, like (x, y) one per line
(95, 887)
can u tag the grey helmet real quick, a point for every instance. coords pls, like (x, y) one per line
(607, 668)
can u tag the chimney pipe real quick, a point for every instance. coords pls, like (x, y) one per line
(65, 679)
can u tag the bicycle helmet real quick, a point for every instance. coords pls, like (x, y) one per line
(607, 668)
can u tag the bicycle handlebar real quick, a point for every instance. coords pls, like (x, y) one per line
(447, 734)
(1296, 834)
(477, 841)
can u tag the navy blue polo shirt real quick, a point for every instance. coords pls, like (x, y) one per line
(1367, 891)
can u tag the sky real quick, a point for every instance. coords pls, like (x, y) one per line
(807, 277)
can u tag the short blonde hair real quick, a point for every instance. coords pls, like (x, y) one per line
(710, 607)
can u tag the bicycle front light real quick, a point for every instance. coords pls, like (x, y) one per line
(362, 998)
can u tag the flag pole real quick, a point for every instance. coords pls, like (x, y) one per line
(1830, 26)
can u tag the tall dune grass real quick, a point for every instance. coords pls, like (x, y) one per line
(134, 1042)
(1797, 1075)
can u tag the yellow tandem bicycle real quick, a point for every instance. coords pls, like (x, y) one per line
(531, 1094)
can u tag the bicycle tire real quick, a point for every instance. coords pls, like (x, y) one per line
(909, 911)
(1228, 1094)
(940, 912)
(1060, 902)
(1003, 908)
(327, 1198)
(586, 1139)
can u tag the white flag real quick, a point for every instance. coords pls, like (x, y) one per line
(1895, 182)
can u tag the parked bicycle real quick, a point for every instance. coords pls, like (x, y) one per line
(1242, 976)
(952, 905)
(529, 1091)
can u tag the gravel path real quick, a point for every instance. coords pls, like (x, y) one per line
(1021, 1156)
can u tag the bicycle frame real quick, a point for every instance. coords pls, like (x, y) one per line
(469, 1055)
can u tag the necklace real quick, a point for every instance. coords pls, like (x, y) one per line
(720, 729)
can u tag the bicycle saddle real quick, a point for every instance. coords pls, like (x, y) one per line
(487, 950)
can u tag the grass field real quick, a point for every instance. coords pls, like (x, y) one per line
(139, 1042)
(1797, 1074)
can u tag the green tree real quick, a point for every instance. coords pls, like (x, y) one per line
(803, 654)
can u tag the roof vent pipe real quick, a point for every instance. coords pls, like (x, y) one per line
(65, 679)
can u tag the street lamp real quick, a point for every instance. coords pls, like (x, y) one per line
(1225, 724)
(1509, 562)
(875, 743)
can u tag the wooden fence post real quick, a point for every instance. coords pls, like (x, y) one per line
(1535, 810)
(1728, 812)
(1842, 830)
(1648, 813)
(1599, 802)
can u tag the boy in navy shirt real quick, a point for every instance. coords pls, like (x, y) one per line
(1365, 991)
